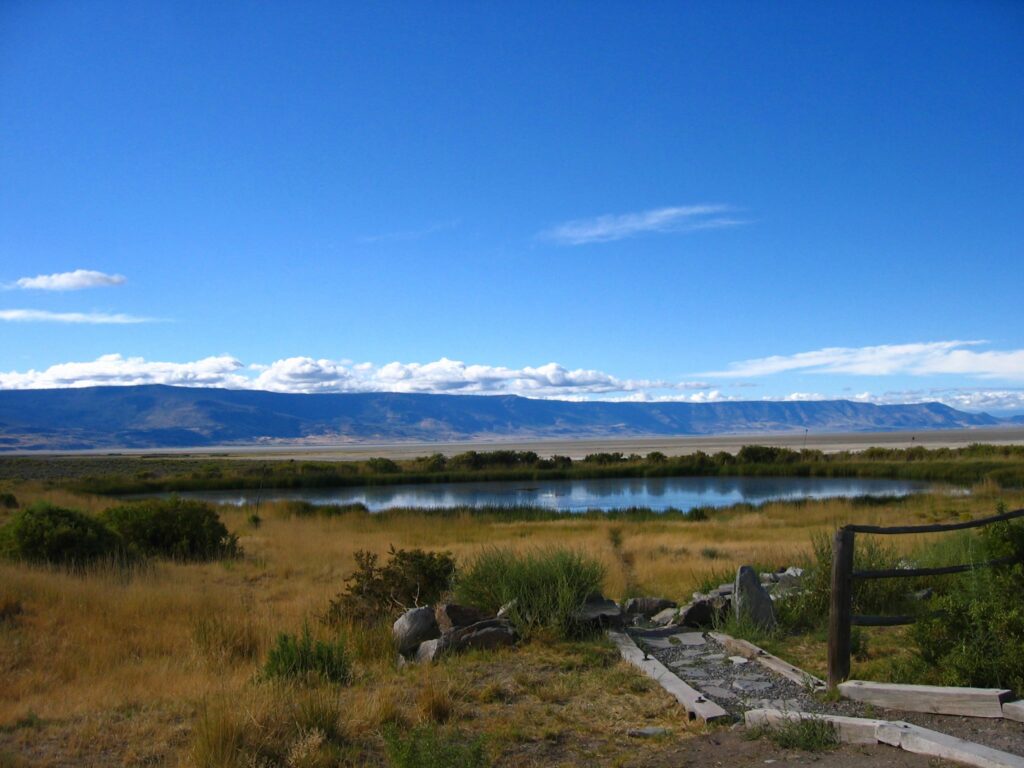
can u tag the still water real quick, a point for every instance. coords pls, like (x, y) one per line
(580, 495)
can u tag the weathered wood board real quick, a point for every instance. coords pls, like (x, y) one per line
(969, 702)
(693, 700)
(849, 730)
(1014, 710)
(774, 663)
(924, 741)
(912, 738)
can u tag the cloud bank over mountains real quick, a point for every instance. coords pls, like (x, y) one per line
(549, 381)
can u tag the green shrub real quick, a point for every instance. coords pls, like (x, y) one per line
(976, 637)
(426, 747)
(44, 533)
(382, 466)
(546, 587)
(178, 528)
(380, 592)
(299, 656)
(8, 501)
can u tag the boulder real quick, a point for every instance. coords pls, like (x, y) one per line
(665, 617)
(413, 627)
(707, 611)
(491, 633)
(599, 611)
(451, 616)
(750, 601)
(428, 650)
(647, 606)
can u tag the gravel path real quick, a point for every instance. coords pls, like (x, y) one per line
(738, 684)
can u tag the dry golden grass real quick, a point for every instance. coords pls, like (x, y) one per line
(118, 666)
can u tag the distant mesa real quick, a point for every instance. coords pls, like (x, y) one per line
(156, 416)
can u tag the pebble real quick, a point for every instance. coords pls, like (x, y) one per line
(739, 661)
(648, 732)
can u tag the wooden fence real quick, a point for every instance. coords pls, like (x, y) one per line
(841, 617)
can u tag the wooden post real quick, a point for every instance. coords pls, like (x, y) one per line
(841, 607)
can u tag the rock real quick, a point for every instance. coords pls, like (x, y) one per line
(751, 686)
(739, 661)
(718, 692)
(922, 594)
(599, 611)
(413, 627)
(750, 600)
(507, 607)
(665, 617)
(428, 650)
(706, 612)
(491, 633)
(451, 616)
(648, 732)
(796, 573)
(647, 606)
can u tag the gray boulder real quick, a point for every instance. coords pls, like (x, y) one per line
(647, 606)
(750, 601)
(599, 611)
(413, 627)
(451, 616)
(491, 633)
(428, 650)
(706, 611)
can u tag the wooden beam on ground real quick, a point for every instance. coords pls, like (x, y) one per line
(912, 738)
(969, 702)
(924, 741)
(774, 663)
(849, 730)
(1014, 710)
(693, 700)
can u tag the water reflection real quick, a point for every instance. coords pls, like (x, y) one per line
(580, 495)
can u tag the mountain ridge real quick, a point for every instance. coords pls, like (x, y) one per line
(161, 416)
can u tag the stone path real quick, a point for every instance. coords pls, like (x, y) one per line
(738, 684)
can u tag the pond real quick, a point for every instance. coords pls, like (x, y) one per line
(660, 494)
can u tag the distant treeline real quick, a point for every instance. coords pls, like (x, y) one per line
(1003, 465)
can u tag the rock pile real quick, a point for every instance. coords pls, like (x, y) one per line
(751, 596)
(424, 634)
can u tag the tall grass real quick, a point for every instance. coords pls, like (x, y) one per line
(544, 588)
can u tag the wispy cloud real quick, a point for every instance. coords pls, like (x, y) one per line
(77, 280)
(90, 318)
(602, 229)
(409, 234)
(920, 359)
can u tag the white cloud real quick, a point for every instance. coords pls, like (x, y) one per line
(306, 374)
(92, 318)
(115, 370)
(921, 359)
(609, 227)
(69, 281)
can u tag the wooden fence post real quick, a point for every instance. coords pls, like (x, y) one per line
(841, 607)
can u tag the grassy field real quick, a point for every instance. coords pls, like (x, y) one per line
(159, 663)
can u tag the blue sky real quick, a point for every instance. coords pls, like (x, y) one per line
(605, 200)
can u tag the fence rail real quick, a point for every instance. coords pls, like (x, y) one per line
(841, 617)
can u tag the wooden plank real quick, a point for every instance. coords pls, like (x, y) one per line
(970, 702)
(859, 620)
(937, 527)
(1014, 710)
(849, 730)
(693, 700)
(912, 738)
(840, 607)
(774, 663)
(899, 573)
(923, 741)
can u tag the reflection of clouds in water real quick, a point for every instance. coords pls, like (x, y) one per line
(580, 495)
